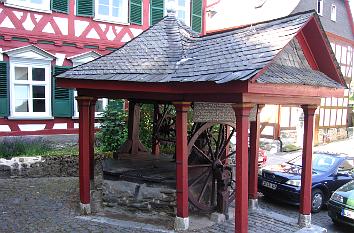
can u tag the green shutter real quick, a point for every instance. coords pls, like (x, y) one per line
(136, 9)
(60, 6)
(197, 6)
(62, 97)
(4, 90)
(84, 7)
(156, 11)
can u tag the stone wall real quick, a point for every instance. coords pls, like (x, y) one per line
(331, 134)
(42, 167)
(143, 197)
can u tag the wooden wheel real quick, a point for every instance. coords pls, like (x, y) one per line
(164, 130)
(209, 149)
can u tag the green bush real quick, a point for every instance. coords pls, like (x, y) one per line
(114, 128)
(23, 146)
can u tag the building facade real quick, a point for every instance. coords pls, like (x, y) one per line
(333, 117)
(42, 38)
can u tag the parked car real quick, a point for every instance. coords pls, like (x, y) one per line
(341, 205)
(283, 181)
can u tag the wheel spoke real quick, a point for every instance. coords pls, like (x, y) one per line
(228, 156)
(204, 187)
(202, 153)
(225, 144)
(210, 147)
(197, 179)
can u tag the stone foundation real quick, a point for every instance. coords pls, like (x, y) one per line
(143, 197)
(43, 167)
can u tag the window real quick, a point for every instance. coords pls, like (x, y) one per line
(79, 60)
(182, 8)
(30, 89)
(100, 106)
(333, 12)
(112, 10)
(320, 7)
(38, 5)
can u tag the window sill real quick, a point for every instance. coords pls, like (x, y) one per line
(28, 8)
(30, 118)
(98, 19)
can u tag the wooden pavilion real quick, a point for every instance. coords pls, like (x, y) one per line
(283, 61)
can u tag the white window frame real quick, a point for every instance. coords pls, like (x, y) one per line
(333, 12)
(97, 114)
(29, 5)
(124, 19)
(30, 64)
(319, 7)
(76, 108)
(186, 8)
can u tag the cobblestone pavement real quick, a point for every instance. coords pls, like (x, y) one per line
(320, 219)
(46, 205)
(51, 205)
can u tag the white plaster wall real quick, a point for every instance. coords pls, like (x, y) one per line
(230, 13)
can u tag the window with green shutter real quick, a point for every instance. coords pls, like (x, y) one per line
(136, 11)
(4, 90)
(85, 7)
(197, 6)
(62, 97)
(60, 6)
(156, 11)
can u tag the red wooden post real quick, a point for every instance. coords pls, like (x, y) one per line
(306, 173)
(241, 195)
(84, 152)
(254, 150)
(182, 218)
(92, 140)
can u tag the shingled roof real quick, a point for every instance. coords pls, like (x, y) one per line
(170, 52)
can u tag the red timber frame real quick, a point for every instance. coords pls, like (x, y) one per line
(243, 95)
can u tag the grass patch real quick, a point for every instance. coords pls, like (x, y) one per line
(29, 147)
(17, 146)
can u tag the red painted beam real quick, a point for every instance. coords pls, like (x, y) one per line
(242, 112)
(182, 158)
(254, 150)
(146, 14)
(321, 50)
(169, 87)
(307, 51)
(92, 138)
(306, 173)
(84, 148)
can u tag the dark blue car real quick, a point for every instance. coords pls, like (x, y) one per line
(330, 171)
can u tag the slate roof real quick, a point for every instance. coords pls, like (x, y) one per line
(170, 52)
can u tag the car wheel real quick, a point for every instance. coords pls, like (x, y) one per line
(335, 222)
(317, 200)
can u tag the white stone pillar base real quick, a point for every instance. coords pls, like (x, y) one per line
(85, 209)
(217, 217)
(304, 220)
(253, 205)
(181, 224)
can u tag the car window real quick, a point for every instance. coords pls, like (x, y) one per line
(346, 166)
(320, 162)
